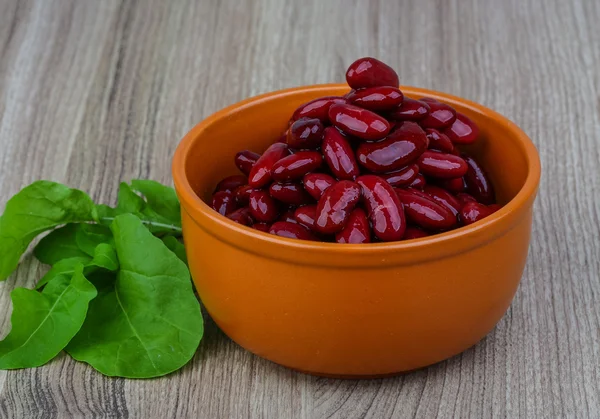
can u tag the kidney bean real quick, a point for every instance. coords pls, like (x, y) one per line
(296, 165)
(244, 160)
(494, 207)
(428, 99)
(287, 216)
(261, 227)
(357, 229)
(242, 195)
(339, 155)
(425, 212)
(464, 198)
(444, 198)
(317, 183)
(292, 193)
(401, 147)
(262, 207)
(419, 182)
(306, 216)
(381, 98)
(472, 212)
(335, 206)
(260, 174)
(317, 108)
(305, 133)
(438, 141)
(453, 185)
(478, 183)
(359, 122)
(370, 72)
(414, 233)
(283, 138)
(441, 165)
(384, 207)
(223, 202)
(291, 231)
(462, 130)
(455, 151)
(231, 182)
(440, 116)
(241, 216)
(402, 177)
(410, 110)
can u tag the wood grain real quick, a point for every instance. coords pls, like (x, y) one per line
(95, 92)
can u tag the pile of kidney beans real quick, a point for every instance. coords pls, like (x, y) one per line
(372, 165)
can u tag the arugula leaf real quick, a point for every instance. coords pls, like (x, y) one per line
(176, 247)
(59, 244)
(37, 208)
(44, 323)
(148, 323)
(89, 236)
(162, 199)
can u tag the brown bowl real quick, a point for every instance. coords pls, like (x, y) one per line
(353, 310)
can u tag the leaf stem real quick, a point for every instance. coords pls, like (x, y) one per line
(173, 228)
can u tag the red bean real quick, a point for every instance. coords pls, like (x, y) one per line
(439, 141)
(244, 160)
(494, 207)
(296, 165)
(444, 198)
(339, 155)
(414, 233)
(462, 130)
(441, 165)
(287, 216)
(357, 229)
(464, 198)
(440, 116)
(384, 207)
(425, 212)
(283, 138)
(419, 182)
(453, 185)
(428, 99)
(317, 108)
(261, 227)
(335, 206)
(262, 207)
(260, 174)
(292, 193)
(306, 216)
(291, 231)
(359, 122)
(305, 134)
(242, 195)
(473, 212)
(223, 202)
(317, 183)
(402, 177)
(401, 147)
(241, 216)
(478, 183)
(231, 182)
(381, 98)
(410, 110)
(370, 72)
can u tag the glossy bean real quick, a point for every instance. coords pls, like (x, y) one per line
(464, 198)
(317, 108)
(402, 177)
(440, 116)
(244, 160)
(339, 155)
(242, 195)
(419, 182)
(381, 98)
(400, 148)
(317, 183)
(478, 183)
(462, 130)
(261, 227)
(444, 198)
(262, 207)
(291, 231)
(260, 174)
(453, 185)
(296, 165)
(359, 122)
(241, 216)
(292, 193)
(305, 134)
(438, 141)
(472, 212)
(231, 183)
(335, 206)
(414, 233)
(425, 212)
(306, 215)
(410, 110)
(441, 165)
(223, 202)
(287, 216)
(370, 72)
(357, 229)
(384, 208)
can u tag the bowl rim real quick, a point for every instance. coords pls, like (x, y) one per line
(438, 245)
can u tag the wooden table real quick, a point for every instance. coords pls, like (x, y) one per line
(94, 92)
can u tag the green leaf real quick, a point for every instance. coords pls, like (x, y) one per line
(59, 244)
(39, 207)
(63, 267)
(176, 247)
(149, 323)
(162, 199)
(89, 236)
(44, 323)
